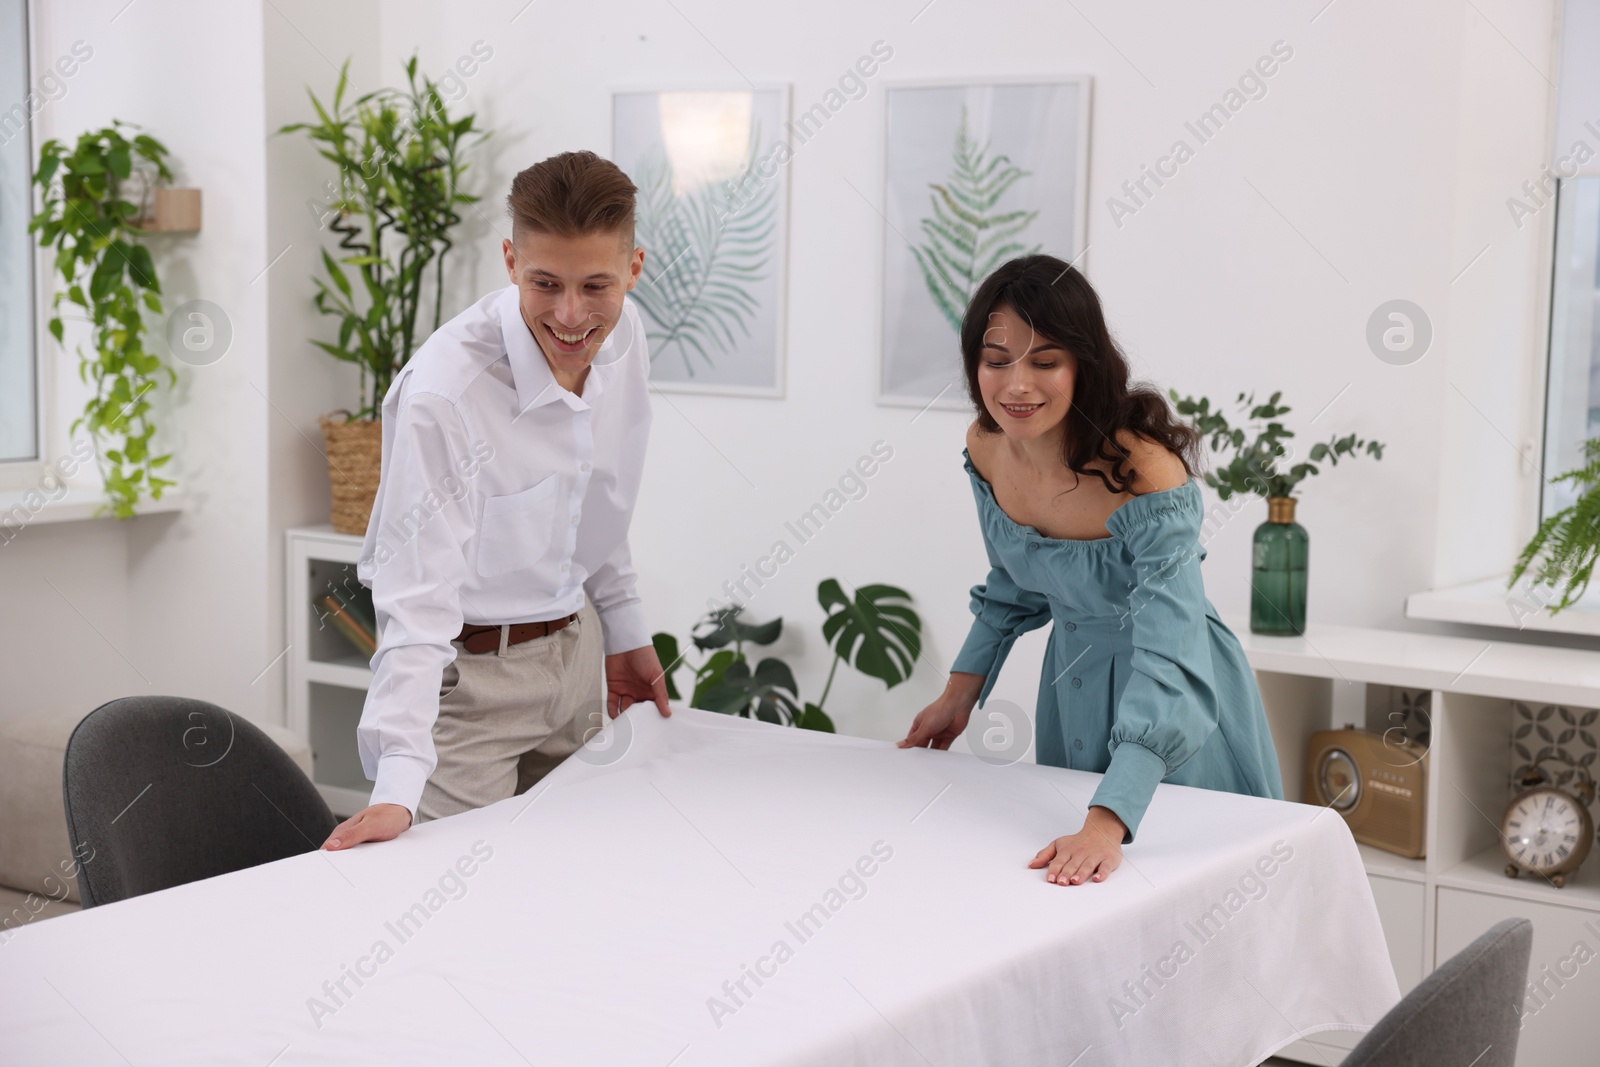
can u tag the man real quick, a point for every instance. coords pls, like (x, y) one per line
(513, 443)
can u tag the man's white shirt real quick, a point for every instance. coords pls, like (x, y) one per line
(503, 498)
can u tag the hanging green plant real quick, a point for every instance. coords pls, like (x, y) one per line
(107, 274)
(1563, 549)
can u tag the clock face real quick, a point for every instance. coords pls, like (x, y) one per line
(1542, 830)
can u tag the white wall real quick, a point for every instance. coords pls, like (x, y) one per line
(1380, 155)
(163, 604)
(1375, 167)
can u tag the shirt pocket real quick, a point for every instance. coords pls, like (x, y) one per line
(516, 530)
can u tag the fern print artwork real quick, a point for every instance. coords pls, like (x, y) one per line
(707, 247)
(712, 189)
(974, 176)
(967, 238)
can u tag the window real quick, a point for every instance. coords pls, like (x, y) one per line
(19, 407)
(1572, 395)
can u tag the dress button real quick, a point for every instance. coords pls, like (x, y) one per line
(1078, 744)
(1077, 683)
(1072, 626)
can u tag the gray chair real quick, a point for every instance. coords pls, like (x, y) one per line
(160, 791)
(1465, 1012)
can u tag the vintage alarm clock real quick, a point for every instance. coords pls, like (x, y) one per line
(1547, 829)
(1377, 782)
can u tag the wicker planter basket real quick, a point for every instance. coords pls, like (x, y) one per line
(355, 448)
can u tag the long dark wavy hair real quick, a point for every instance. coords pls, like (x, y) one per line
(1059, 303)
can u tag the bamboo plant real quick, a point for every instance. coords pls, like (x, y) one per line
(399, 156)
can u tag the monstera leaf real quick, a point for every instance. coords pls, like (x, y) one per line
(723, 627)
(667, 652)
(768, 693)
(878, 632)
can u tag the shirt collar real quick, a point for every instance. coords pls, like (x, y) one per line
(536, 384)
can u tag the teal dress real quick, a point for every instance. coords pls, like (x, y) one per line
(1142, 680)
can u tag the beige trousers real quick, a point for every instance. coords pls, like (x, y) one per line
(507, 718)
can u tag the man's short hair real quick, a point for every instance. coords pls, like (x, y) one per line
(571, 195)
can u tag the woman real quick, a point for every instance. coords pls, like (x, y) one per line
(1092, 521)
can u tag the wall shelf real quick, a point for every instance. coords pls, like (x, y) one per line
(1490, 603)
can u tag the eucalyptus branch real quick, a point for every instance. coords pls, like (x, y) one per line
(1258, 452)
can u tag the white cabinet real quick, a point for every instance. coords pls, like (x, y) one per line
(328, 677)
(1433, 907)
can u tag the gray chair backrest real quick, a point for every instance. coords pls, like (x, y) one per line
(1465, 1012)
(160, 791)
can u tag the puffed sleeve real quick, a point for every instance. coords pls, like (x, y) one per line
(1169, 707)
(1002, 611)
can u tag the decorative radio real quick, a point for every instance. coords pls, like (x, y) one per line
(1378, 782)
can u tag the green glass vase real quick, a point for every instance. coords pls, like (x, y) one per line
(1278, 572)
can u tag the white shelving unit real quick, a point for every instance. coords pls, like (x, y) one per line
(328, 678)
(1433, 907)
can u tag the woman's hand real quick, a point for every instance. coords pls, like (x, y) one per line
(941, 722)
(1091, 854)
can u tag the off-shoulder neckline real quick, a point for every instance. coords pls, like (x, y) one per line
(1158, 500)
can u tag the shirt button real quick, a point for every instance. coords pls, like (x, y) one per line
(1077, 683)
(1072, 626)
(1032, 545)
(574, 520)
(583, 466)
(1078, 744)
(565, 567)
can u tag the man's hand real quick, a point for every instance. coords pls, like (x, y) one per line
(381, 822)
(635, 677)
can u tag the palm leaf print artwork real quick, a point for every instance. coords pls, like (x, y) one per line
(967, 239)
(703, 250)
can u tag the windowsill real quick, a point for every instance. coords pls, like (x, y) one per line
(1490, 603)
(80, 504)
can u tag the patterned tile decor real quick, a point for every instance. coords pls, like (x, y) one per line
(1554, 730)
(1411, 711)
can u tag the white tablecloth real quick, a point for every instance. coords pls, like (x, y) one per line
(707, 890)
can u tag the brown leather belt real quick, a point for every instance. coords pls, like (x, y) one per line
(487, 638)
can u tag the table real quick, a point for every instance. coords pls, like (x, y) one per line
(710, 890)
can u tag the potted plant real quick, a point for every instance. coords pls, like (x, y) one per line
(92, 195)
(399, 158)
(1281, 546)
(878, 632)
(1562, 552)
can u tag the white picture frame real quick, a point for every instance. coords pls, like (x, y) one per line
(711, 165)
(1042, 125)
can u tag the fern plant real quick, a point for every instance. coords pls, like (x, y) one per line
(109, 277)
(966, 238)
(707, 253)
(1562, 551)
(1254, 466)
